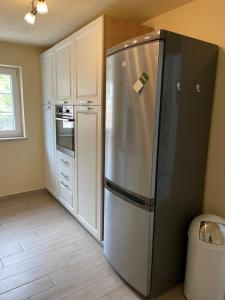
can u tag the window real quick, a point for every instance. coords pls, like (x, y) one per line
(11, 103)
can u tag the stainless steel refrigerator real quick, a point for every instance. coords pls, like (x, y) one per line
(159, 92)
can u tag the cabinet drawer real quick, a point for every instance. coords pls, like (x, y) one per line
(65, 161)
(66, 196)
(65, 176)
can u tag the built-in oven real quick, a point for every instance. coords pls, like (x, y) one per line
(65, 141)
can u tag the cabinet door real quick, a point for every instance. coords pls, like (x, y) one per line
(50, 152)
(88, 63)
(89, 169)
(63, 67)
(47, 69)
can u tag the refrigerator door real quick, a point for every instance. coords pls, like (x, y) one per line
(128, 240)
(131, 93)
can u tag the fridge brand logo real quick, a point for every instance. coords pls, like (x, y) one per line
(140, 83)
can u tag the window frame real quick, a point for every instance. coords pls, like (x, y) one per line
(20, 131)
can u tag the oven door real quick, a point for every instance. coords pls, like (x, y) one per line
(65, 136)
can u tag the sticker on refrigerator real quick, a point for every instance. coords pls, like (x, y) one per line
(140, 83)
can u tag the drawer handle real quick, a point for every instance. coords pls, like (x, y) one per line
(65, 176)
(63, 102)
(65, 185)
(86, 108)
(85, 101)
(64, 161)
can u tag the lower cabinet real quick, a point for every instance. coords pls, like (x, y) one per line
(88, 155)
(50, 150)
(79, 179)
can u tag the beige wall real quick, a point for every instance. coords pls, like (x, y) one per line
(205, 19)
(21, 162)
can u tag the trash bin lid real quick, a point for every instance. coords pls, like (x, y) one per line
(208, 229)
(212, 232)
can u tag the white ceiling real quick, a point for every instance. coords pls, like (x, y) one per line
(65, 16)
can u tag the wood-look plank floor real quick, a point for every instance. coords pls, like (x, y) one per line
(46, 254)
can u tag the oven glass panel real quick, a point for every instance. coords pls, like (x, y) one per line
(65, 134)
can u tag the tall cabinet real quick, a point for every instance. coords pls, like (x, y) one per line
(88, 69)
(47, 63)
(78, 78)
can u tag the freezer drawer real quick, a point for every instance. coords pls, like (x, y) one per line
(128, 240)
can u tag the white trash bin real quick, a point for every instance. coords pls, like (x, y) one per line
(205, 267)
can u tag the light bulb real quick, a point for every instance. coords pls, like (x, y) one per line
(42, 7)
(30, 18)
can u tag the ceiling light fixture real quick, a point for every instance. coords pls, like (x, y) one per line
(41, 8)
(30, 17)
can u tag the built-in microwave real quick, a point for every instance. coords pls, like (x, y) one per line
(65, 140)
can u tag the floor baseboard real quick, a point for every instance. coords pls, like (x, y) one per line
(24, 194)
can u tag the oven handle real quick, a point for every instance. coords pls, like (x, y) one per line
(64, 119)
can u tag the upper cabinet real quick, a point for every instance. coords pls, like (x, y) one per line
(63, 72)
(47, 65)
(88, 47)
(73, 70)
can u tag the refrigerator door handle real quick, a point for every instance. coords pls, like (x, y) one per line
(145, 203)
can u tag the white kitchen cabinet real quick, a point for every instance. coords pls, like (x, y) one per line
(47, 67)
(89, 168)
(88, 47)
(63, 72)
(50, 150)
(47, 64)
(73, 72)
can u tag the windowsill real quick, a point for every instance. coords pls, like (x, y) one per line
(13, 138)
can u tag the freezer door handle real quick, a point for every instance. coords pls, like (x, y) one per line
(145, 203)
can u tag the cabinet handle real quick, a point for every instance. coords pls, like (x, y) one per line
(65, 176)
(85, 101)
(63, 102)
(87, 108)
(65, 185)
(64, 161)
